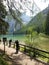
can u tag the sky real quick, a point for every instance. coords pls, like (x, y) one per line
(28, 4)
(41, 4)
(27, 7)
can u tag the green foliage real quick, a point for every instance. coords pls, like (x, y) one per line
(16, 14)
(3, 25)
(3, 62)
(3, 11)
(31, 36)
(47, 24)
(38, 22)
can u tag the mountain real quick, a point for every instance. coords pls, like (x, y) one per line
(25, 18)
(14, 25)
(39, 19)
(12, 22)
(36, 22)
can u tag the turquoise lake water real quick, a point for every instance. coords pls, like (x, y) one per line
(14, 37)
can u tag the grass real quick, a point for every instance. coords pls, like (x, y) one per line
(2, 61)
(41, 42)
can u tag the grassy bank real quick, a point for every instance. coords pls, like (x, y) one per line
(41, 42)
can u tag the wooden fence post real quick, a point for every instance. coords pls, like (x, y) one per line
(0, 41)
(24, 48)
(10, 42)
(4, 40)
(34, 53)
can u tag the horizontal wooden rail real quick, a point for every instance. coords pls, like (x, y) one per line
(34, 48)
(35, 51)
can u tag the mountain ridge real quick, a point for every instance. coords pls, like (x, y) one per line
(36, 21)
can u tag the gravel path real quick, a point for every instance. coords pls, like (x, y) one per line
(20, 58)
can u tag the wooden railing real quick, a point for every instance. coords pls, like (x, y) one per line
(35, 52)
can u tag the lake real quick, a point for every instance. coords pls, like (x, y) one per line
(14, 37)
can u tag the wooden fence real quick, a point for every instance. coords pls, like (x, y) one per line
(34, 51)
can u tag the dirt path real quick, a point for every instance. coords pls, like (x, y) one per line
(20, 58)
